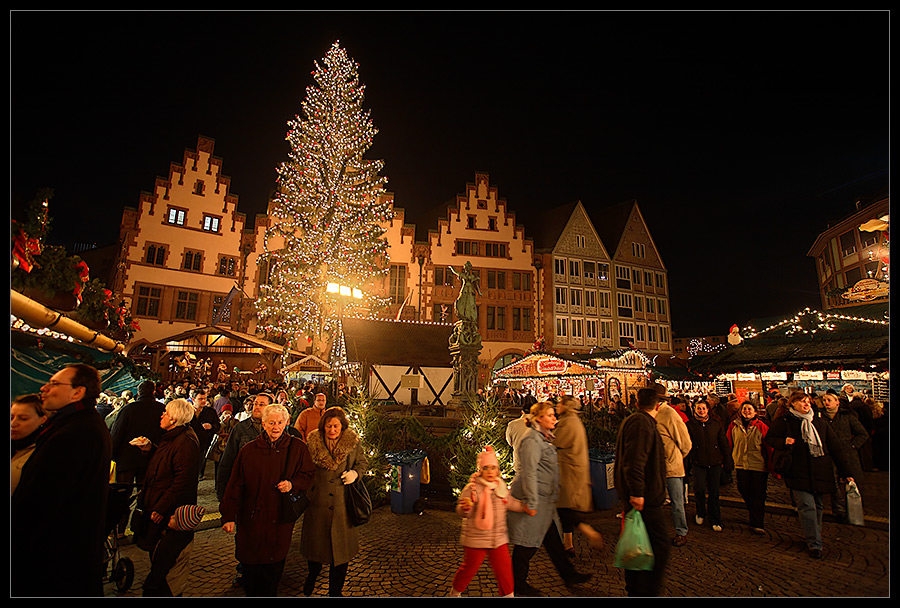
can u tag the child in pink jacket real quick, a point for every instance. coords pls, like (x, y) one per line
(483, 504)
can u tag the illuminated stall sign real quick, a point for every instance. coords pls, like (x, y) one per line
(552, 366)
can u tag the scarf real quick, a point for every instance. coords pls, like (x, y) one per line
(484, 508)
(809, 432)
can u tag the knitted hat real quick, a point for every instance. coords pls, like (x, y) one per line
(487, 456)
(187, 517)
(831, 391)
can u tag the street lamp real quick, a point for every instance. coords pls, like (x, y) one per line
(350, 292)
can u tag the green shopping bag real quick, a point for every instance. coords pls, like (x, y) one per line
(633, 551)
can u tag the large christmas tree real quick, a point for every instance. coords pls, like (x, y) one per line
(326, 218)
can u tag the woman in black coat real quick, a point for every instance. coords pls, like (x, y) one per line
(170, 482)
(811, 444)
(710, 456)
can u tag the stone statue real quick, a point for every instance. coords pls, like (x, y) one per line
(465, 302)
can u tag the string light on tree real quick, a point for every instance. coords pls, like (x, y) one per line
(325, 219)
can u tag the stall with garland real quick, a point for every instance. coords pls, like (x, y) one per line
(44, 340)
(810, 350)
(611, 376)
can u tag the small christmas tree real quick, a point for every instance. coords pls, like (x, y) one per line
(326, 218)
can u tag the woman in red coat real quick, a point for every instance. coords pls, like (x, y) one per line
(252, 501)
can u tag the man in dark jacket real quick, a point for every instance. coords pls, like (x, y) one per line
(58, 511)
(640, 479)
(140, 418)
(243, 433)
(205, 423)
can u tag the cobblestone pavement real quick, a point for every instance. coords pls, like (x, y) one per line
(416, 555)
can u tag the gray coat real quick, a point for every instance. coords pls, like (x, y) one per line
(537, 485)
(327, 536)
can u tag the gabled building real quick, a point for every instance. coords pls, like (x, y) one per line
(639, 280)
(575, 292)
(478, 227)
(182, 249)
(603, 284)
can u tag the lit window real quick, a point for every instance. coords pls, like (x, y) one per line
(210, 223)
(176, 217)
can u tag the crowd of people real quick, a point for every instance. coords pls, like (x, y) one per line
(66, 455)
(71, 444)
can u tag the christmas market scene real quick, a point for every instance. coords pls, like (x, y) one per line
(224, 395)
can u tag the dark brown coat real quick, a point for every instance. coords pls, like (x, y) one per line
(253, 502)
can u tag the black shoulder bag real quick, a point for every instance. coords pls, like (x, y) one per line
(359, 505)
(292, 505)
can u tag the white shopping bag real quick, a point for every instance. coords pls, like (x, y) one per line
(854, 505)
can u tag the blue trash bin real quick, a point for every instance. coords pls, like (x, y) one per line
(602, 481)
(406, 479)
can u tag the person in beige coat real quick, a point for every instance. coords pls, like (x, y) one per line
(677, 445)
(575, 496)
(327, 536)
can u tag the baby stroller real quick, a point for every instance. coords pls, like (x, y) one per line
(119, 502)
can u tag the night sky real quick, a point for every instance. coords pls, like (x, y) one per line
(740, 134)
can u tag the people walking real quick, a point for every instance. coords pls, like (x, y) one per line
(811, 445)
(853, 436)
(677, 445)
(170, 483)
(752, 460)
(327, 536)
(266, 468)
(575, 496)
(710, 458)
(205, 424)
(26, 419)
(140, 418)
(483, 505)
(537, 484)
(58, 511)
(640, 479)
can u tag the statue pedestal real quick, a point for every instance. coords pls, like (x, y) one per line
(465, 346)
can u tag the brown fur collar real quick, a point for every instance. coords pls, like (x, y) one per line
(320, 454)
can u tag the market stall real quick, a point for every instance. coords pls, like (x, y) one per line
(810, 351)
(611, 376)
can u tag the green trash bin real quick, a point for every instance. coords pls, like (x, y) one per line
(406, 479)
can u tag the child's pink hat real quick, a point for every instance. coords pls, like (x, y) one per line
(486, 457)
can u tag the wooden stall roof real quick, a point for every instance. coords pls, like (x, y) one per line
(387, 342)
(854, 338)
(206, 339)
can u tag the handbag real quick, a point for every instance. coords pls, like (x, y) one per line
(781, 460)
(146, 533)
(292, 505)
(356, 497)
(633, 550)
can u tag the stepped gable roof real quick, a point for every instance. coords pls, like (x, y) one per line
(389, 342)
